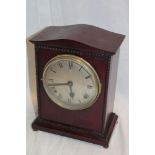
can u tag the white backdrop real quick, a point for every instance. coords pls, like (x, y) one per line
(108, 14)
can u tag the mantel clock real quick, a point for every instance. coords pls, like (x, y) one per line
(76, 71)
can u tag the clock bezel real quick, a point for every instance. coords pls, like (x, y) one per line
(86, 65)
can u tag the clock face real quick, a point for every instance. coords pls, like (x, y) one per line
(71, 82)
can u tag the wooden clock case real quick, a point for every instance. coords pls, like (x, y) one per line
(101, 49)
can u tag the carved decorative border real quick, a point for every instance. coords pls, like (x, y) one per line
(94, 53)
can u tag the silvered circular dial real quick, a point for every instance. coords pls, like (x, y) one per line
(71, 82)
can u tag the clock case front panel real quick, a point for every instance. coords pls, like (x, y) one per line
(101, 49)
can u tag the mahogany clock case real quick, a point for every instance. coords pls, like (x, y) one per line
(94, 124)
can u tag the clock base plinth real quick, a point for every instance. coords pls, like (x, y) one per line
(77, 133)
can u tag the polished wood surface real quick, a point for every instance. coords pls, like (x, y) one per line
(85, 34)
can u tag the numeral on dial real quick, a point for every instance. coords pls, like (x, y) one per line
(85, 96)
(60, 65)
(70, 63)
(80, 68)
(89, 86)
(87, 77)
(52, 70)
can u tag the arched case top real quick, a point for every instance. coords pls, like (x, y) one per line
(88, 35)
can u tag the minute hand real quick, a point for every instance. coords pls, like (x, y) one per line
(58, 84)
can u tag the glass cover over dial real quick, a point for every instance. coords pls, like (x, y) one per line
(71, 82)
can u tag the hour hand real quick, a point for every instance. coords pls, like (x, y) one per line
(71, 94)
(71, 91)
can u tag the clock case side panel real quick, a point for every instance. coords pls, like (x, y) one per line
(111, 87)
(37, 79)
(31, 66)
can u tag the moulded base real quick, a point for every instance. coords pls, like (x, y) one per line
(78, 133)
